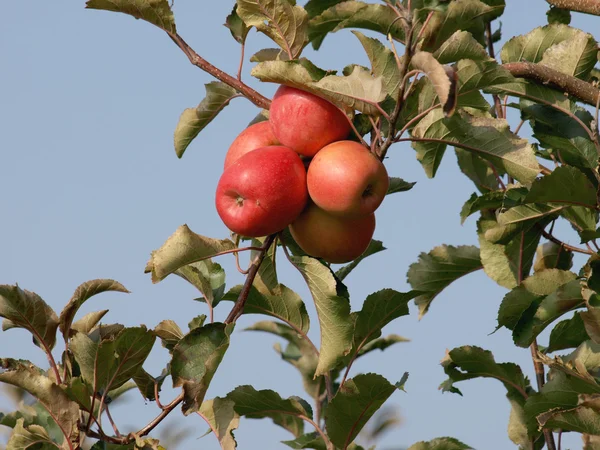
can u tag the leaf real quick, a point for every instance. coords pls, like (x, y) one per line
(309, 440)
(83, 293)
(220, 414)
(442, 79)
(580, 419)
(182, 248)
(527, 214)
(110, 363)
(27, 310)
(146, 383)
(383, 63)
(375, 246)
(437, 269)
(552, 256)
(88, 322)
(269, 54)
(494, 200)
(333, 310)
(591, 322)
(28, 377)
(443, 443)
(253, 404)
(461, 45)
(193, 120)
(354, 14)
(381, 344)
(468, 362)
(169, 333)
(399, 185)
(206, 276)
(33, 436)
(567, 334)
(299, 352)
(157, 12)
(565, 185)
(281, 20)
(236, 25)
(353, 405)
(195, 360)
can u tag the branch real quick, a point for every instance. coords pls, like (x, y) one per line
(539, 376)
(197, 60)
(238, 308)
(584, 6)
(551, 238)
(583, 90)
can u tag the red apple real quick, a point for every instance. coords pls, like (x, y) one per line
(335, 239)
(255, 136)
(305, 122)
(345, 178)
(262, 192)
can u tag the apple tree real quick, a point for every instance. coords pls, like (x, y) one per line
(305, 180)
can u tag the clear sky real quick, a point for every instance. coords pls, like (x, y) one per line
(90, 185)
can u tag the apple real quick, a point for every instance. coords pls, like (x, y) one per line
(333, 238)
(255, 136)
(345, 178)
(306, 122)
(262, 192)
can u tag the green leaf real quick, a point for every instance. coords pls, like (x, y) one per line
(353, 405)
(333, 310)
(287, 413)
(182, 248)
(236, 25)
(383, 63)
(375, 246)
(442, 443)
(527, 214)
(55, 401)
(33, 436)
(461, 45)
(354, 14)
(591, 322)
(169, 333)
(157, 12)
(568, 334)
(552, 256)
(487, 137)
(477, 169)
(565, 185)
(269, 54)
(195, 360)
(495, 200)
(558, 16)
(146, 383)
(110, 363)
(468, 362)
(437, 269)
(220, 414)
(27, 310)
(284, 22)
(399, 185)
(580, 419)
(309, 440)
(83, 293)
(299, 352)
(381, 344)
(88, 322)
(206, 276)
(442, 78)
(193, 120)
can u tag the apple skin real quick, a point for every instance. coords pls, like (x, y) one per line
(345, 178)
(306, 122)
(262, 192)
(333, 238)
(255, 136)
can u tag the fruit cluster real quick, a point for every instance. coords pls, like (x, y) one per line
(297, 169)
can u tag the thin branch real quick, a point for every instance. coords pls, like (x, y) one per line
(252, 95)
(521, 123)
(583, 90)
(239, 74)
(156, 396)
(429, 16)
(328, 443)
(238, 308)
(551, 238)
(329, 386)
(539, 376)
(158, 419)
(112, 422)
(490, 46)
(215, 432)
(584, 6)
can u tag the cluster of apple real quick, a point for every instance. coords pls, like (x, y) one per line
(299, 170)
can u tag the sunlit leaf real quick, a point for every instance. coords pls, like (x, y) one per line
(89, 321)
(552, 256)
(443, 443)
(223, 419)
(206, 276)
(383, 63)
(157, 12)
(461, 45)
(31, 437)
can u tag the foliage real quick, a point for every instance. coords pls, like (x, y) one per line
(445, 90)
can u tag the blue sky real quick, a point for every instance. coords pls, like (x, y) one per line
(91, 184)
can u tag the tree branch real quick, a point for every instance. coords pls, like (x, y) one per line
(197, 60)
(584, 6)
(238, 308)
(583, 90)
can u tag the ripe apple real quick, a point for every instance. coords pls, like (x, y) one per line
(345, 178)
(262, 192)
(335, 239)
(306, 122)
(255, 136)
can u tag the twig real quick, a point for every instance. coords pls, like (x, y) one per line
(584, 6)
(215, 432)
(112, 422)
(490, 46)
(551, 238)
(521, 123)
(252, 95)
(238, 308)
(539, 376)
(429, 16)
(328, 386)
(156, 396)
(239, 74)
